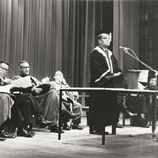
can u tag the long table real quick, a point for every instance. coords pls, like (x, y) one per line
(116, 90)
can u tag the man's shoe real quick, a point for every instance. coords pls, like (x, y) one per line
(30, 131)
(6, 134)
(48, 122)
(130, 114)
(66, 127)
(11, 134)
(55, 129)
(42, 121)
(119, 126)
(97, 132)
(2, 139)
(70, 115)
(24, 133)
(77, 127)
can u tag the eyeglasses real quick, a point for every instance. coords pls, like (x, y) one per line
(106, 38)
(3, 68)
(25, 67)
(58, 74)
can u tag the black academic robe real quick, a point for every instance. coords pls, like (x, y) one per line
(104, 109)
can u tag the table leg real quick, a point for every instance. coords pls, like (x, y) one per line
(123, 118)
(103, 136)
(154, 101)
(114, 129)
(60, 104)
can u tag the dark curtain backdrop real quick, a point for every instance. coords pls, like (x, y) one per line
(51, 35)
(60, 34)
(126, 32)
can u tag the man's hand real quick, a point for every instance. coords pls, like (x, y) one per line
(63, 81)
(156, 73)
(46, 79)
(36, 90)
(5, 81)
(117, 74)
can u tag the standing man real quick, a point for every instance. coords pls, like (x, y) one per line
(104, 72)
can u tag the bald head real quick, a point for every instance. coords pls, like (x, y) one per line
(58, 73)
(58, 76)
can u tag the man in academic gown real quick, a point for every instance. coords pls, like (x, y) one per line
(104, 72)
(47, 98)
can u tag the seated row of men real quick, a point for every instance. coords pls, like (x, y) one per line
(39, 100)
(16, 110)
(141, 104)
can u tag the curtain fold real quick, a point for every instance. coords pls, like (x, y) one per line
(51, 35)
(126, 32)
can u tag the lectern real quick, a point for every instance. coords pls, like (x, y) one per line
(133, 79)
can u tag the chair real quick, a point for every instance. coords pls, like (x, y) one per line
(134, 80)
(85, 108)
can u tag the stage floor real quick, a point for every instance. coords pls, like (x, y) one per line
(129, 142)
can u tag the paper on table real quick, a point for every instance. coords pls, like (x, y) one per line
(140, 86)
(143, 76)
(5, 89)
(45, 80)
(22, 82)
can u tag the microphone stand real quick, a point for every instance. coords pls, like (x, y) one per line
(156, 74)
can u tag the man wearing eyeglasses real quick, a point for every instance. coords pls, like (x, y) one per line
(12, 115)
(6, 102)
(48, 100)
(3, 71)
(104, 72)
(68, 101)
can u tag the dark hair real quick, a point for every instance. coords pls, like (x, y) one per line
(4, 62)
(22, 61)
(99, 36)
(151, 75)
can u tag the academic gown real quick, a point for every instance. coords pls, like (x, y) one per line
(104, 109)
(48, 102)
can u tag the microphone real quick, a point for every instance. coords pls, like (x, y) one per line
(125, 48)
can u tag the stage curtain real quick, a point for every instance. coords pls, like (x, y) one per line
(51, 35)
(126, 32)
(149, 34)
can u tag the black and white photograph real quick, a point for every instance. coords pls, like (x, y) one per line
(78, 78)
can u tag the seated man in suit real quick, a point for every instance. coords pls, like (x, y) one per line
(48, 101)
(152, 83)
(68, 101)
(139, 104)
(6, 102)
(14, 110)
(152, 86)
